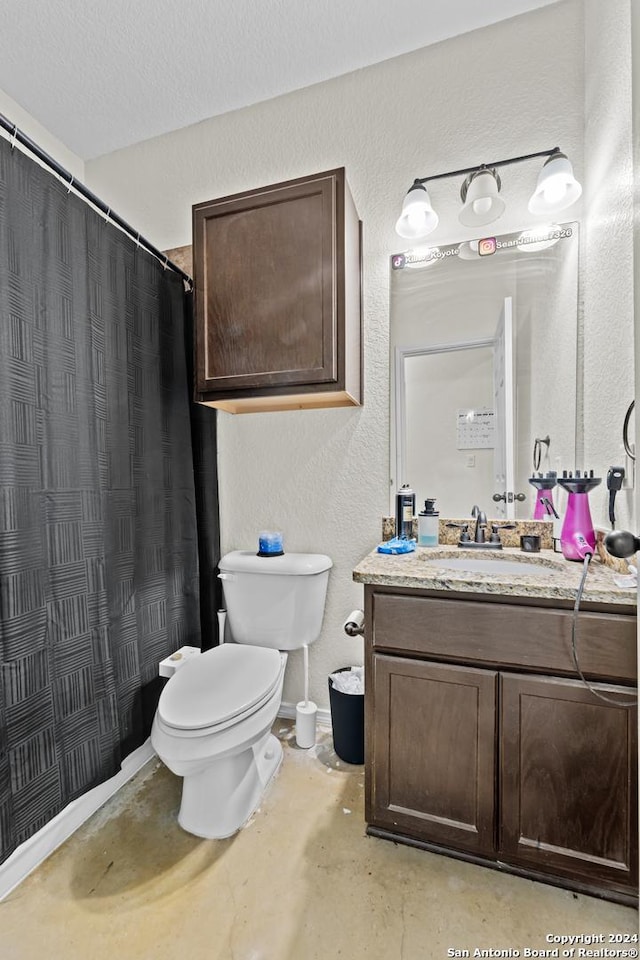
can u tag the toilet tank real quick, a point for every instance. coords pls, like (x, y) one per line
(275, 601)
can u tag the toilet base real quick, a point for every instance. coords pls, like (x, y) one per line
(219, 800)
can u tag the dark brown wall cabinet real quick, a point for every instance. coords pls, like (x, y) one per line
(277, 297)
(481, 741)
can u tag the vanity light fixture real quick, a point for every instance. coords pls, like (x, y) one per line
(539, 238)
(468, 250)
(420, 257)
(555, 190)
(418, 218)
(479, 194)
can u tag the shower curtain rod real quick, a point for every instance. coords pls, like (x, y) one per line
(19, 136)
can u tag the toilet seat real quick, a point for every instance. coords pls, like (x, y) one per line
(220, 687)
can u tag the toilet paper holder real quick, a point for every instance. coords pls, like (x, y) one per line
(354, 624)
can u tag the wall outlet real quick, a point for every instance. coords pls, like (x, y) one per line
(470, 460)
(170, 664)
(629, 481)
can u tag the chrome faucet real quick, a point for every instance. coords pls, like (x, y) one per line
(481, 524)
(480, 533)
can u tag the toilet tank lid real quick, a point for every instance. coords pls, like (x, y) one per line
(289, 564)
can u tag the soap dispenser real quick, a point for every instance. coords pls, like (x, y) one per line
(428, 525)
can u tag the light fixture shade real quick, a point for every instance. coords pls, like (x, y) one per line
(557, 188)
(468, 250)
(482, 204)
(418, 218)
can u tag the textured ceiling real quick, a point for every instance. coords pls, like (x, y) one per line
(102, 74)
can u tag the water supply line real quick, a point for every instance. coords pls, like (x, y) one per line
(222, 620)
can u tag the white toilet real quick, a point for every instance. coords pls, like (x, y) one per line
(214, 716)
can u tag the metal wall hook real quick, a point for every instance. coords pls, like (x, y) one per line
(537, 449)
(625, 432)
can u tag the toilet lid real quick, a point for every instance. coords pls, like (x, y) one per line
(218, 685)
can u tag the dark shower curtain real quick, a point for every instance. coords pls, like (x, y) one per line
(108, 494)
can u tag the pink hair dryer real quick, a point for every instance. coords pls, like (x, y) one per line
(577, 538)
(544, 485)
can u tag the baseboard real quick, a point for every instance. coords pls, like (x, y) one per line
(287, 711)
(37, 848)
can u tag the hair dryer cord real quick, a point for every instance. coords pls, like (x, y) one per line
(574, 623)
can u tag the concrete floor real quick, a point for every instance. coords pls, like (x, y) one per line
(301, 881)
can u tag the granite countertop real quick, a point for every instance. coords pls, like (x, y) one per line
(559, 581)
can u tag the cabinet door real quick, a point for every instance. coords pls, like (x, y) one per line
(568, 780)
(277, 275)
(432, 769)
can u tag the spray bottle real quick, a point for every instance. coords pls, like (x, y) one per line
(405, 511)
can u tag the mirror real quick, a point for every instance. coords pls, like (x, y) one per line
(483, 338)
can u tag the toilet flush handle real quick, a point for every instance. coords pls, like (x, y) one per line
(226, 576)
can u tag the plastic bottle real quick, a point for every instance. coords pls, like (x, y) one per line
(405, 510)
(428, 525)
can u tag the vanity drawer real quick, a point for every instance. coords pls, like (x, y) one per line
(508, 635)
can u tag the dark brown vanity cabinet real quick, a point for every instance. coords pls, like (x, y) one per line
(482, 743)
(567, 779)
(277, 297)
(438, 786)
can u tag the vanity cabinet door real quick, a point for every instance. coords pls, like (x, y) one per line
(432, 752)
(568, 780)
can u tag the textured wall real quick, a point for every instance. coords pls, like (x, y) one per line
(607, 261)
(322, 476)
(14, 112)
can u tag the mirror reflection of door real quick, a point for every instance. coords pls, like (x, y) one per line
(447, 297)
(504, 407)
(440, 390)
(455, 411)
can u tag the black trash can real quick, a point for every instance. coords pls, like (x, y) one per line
(347, 721)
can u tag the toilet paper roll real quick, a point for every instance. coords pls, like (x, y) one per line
(354, 624)
(306, 716)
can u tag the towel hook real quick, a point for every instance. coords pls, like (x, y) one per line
(537, 450)
(625, 432)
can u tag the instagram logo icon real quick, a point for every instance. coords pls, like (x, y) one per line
(487, 246)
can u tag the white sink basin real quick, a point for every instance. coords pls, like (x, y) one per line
(496, 567)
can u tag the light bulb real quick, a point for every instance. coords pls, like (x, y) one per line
(415, 216)
(554, 190)
(482, 205)
(557, 188)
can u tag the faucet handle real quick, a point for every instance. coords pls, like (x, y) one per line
(495, 527)
(464, 527)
